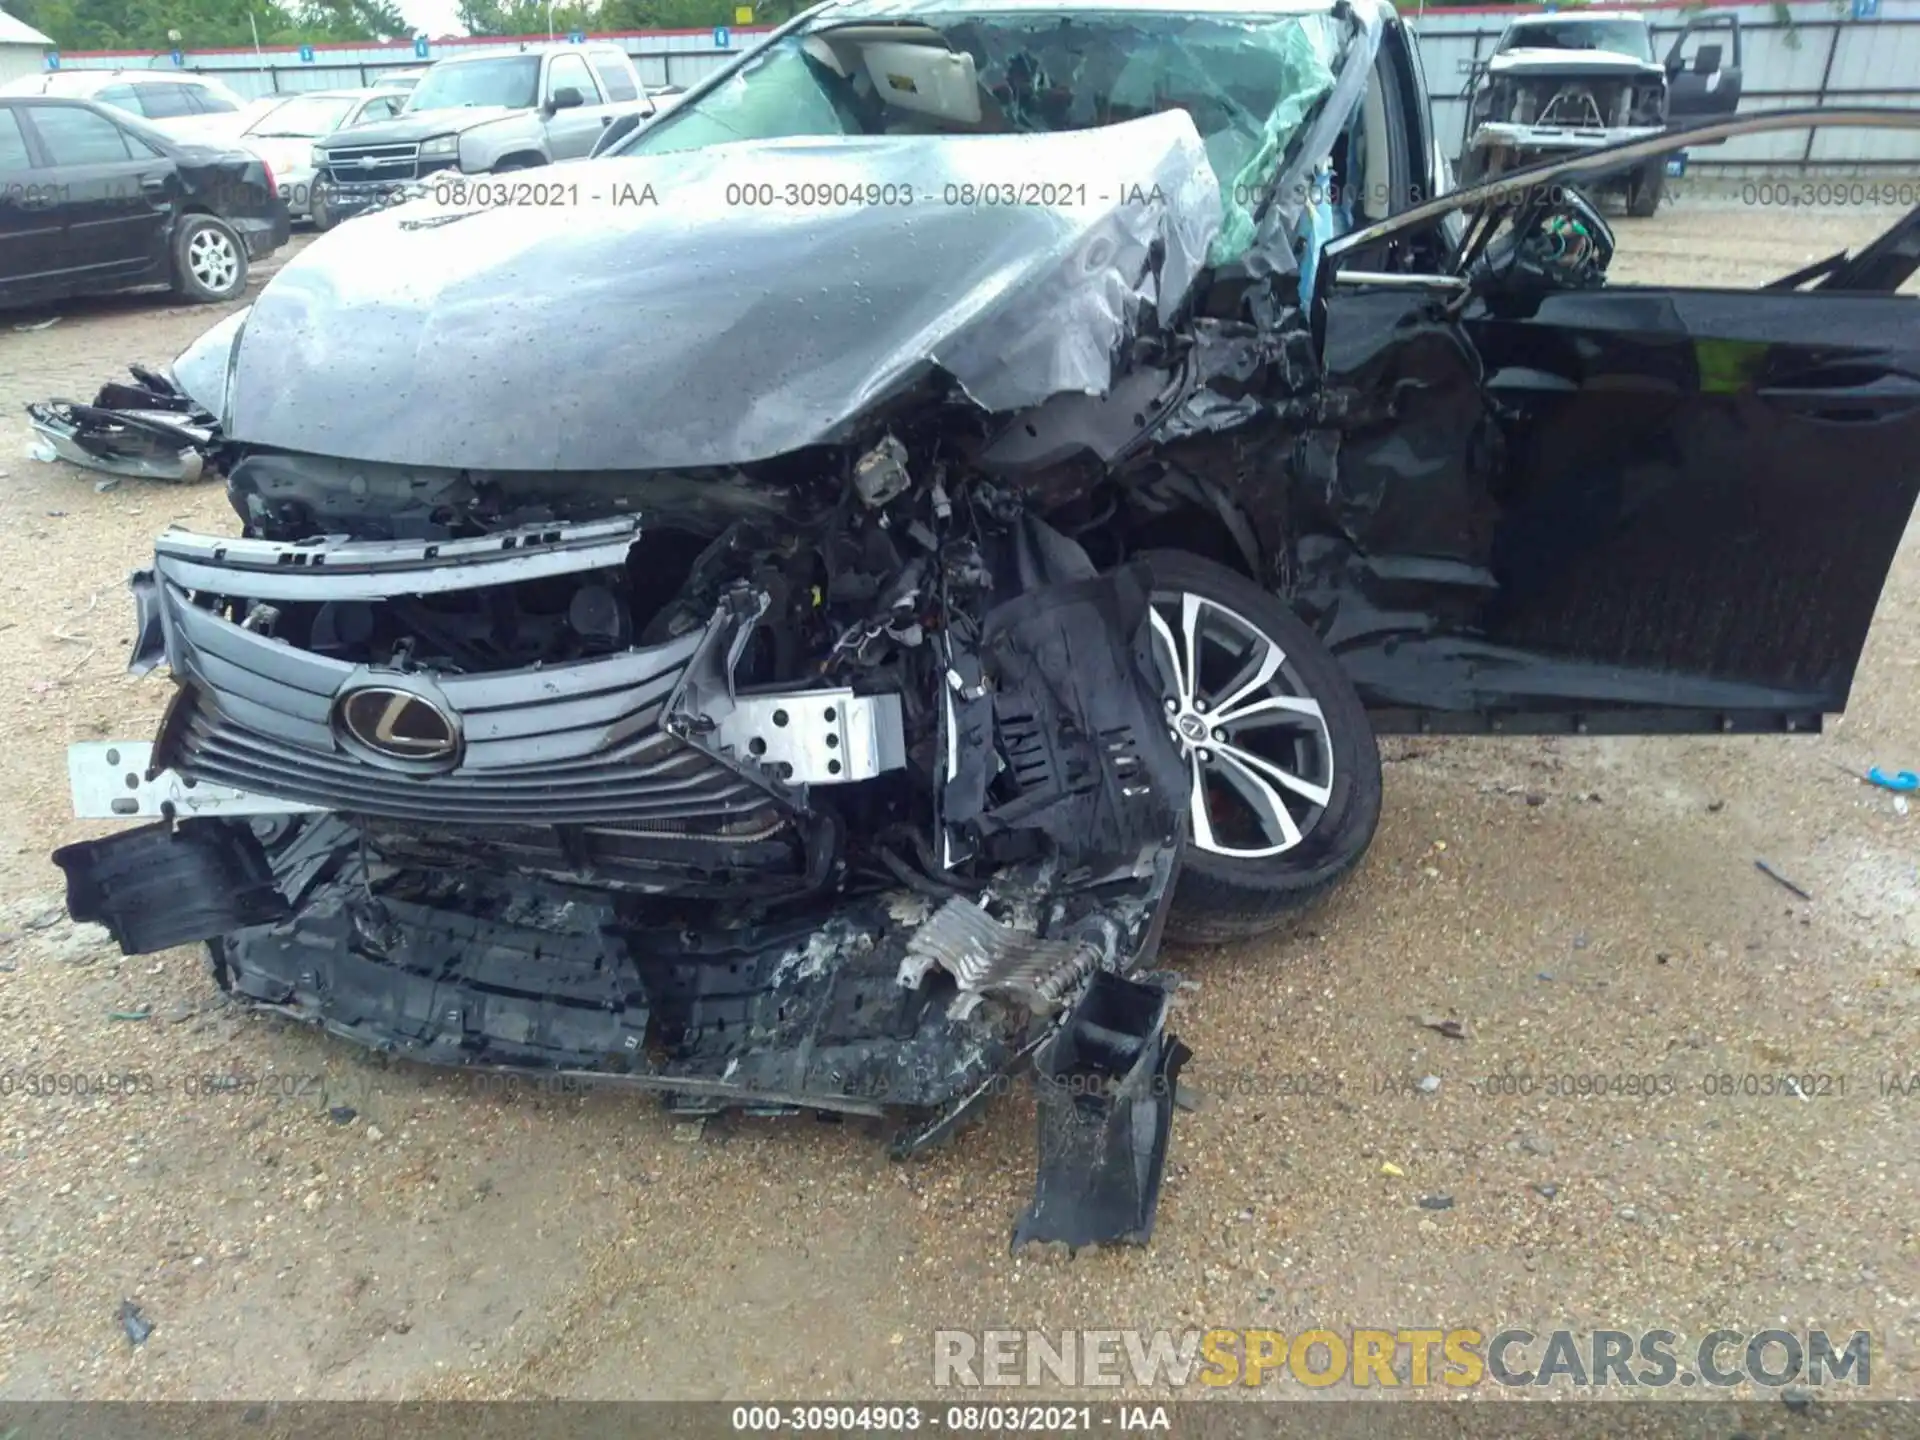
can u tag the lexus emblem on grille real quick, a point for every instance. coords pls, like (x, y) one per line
(398, 724)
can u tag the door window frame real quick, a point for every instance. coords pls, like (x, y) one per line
(49, 160)
(589, 96)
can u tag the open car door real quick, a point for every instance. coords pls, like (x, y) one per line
(1568, 503)
(1703, 69)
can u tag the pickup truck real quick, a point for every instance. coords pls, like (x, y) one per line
(1562, 83)
(1558, 84)
(480, 115)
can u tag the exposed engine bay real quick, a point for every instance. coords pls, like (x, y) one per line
(1534, 100)
(1578, 102)
(833, 794)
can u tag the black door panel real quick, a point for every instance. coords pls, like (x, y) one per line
(30, 220)
(1704, 70)
(117, 195)
(31, 239)
(1657, 498)
(116, 227)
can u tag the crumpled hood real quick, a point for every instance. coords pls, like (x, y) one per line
(717, 306)
(419, 125)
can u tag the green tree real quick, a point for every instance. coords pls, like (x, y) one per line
(690, 14)
(145, 24)
(526, 17)
(351, 20)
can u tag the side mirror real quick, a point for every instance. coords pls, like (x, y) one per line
(1706, 60)
(565, 98)
(1567, 245)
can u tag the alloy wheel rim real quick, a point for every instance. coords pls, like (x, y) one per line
(212, 259)
(1255, 741)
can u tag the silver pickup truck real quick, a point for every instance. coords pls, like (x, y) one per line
(1558, 84)
(478, 116)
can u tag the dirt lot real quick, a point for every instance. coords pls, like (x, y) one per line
(1584, 907)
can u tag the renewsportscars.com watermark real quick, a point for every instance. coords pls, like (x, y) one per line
(1368, 1359)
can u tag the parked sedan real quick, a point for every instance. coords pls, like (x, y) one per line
(284, 136)
(93, 200)
(189, 107)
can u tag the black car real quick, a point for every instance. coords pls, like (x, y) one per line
(93, 200)
(788, 613)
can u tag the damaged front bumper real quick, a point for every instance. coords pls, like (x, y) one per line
(346, 201)
(631, 870)
(146, 430)
(1531, 142)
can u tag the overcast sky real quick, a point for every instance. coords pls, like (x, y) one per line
(436, 17)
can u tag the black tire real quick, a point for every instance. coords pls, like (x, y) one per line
(1223, 896)
(209, 260)
(512, 163)
(318, 212)
(1648, 185)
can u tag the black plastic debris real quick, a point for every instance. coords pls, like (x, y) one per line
(1436, 1202)
(137, 1326)
(158, 886)
(146, 429)
(342, 1114)
(1106, 1086)
(1779, 879)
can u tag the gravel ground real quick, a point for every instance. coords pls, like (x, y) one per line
(1581, 906)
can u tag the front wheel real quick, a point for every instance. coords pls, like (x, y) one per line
(209, 260)
(318, 210)
(1286, 775)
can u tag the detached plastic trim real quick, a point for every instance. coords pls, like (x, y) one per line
(1106, 1086)
(160, 886)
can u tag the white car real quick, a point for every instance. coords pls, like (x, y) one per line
(283, 136)
(185, 105)
(401, 80)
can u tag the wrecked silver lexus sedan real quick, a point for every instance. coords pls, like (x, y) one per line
(792, 626)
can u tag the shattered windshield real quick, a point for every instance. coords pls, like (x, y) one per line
(1621, 37)
(1249, 86)
(511, 80)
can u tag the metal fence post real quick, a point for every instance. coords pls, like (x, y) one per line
(1826, 77)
